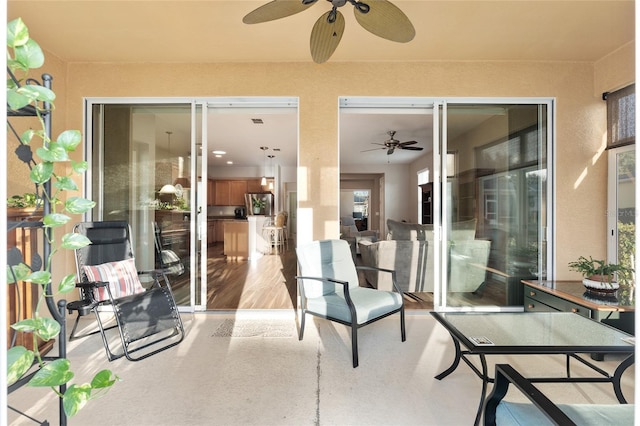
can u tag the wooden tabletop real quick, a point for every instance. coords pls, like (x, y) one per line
(574, 291)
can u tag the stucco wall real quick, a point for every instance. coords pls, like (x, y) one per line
(580, 119)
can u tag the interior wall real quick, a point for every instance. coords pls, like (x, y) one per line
(580, 117)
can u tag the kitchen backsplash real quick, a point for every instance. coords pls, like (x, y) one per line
(221, 210)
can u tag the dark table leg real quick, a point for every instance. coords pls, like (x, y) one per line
(455, 362)
(617, 376)
(485, 380)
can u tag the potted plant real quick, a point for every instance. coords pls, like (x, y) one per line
(258, 205)
(599, 274)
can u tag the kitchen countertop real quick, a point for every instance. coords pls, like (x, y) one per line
(225, 218)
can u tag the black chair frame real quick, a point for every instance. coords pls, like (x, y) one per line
(157, 302)
(352, 309)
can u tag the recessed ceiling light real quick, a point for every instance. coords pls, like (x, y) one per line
(229, 162)
(219, 152)
(218, 156)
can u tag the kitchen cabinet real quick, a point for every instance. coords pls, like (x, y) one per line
(229, 192)
(222, 192)
(211, 229)
(211, 192)
(253, 185)
(236, 239)
(236, 192)
(218, 233)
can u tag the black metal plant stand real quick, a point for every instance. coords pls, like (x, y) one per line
(25, 154)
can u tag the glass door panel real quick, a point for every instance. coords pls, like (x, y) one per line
(141, 173)
(622, 212)
(494, 221)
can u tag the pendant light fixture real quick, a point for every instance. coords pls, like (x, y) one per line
(168, 188)
(263, 181)
(271, 156)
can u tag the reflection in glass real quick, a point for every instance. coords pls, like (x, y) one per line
(497, 217)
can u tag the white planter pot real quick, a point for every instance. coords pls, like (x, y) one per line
(600, 286)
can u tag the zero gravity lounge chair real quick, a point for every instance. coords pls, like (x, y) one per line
(146, 316)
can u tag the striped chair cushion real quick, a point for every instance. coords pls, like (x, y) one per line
(122, 277)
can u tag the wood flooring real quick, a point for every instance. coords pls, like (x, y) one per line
(269, 283)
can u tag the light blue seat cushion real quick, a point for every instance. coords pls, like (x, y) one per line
(515, 413)
(370, 304)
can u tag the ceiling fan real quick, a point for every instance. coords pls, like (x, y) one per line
(379, 17)
(392, 144)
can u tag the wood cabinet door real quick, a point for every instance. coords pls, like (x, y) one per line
(253, 185)
(237, 190)
(222, 192)
(219, 231)
(211, 192)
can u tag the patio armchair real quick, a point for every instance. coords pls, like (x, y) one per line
(329, 288)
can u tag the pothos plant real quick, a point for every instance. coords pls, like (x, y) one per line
(23, 55)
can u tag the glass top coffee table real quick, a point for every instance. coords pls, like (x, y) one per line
(527, 333)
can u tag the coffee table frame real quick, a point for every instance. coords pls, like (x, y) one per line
(607, 340)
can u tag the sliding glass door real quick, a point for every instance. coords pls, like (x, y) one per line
(142, 172)
(495, 220)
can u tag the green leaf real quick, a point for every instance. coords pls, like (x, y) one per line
(19, 360)
(67, 284)
(75, 398)
(29, 54)
(17, 33)
(28, 325)
(48, 329)
(16, 100)
(65, 183)
(54, 373)
(27, 136)
(73, 241)
(55, 219)
(53, 153)
(21, 271)
(36, 93)
(104, 379)
(80, 166)
(41, 173)
(69, 139)
(77, 205)
(39, 277)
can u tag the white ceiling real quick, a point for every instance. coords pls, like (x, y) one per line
(211, 31)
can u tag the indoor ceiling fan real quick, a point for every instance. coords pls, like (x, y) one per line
(392, 144)
(379, 17)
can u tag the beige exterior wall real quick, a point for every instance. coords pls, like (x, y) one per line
(581, 168)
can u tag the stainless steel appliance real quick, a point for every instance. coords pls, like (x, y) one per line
(259, 203)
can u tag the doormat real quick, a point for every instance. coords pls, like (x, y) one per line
(255, 328)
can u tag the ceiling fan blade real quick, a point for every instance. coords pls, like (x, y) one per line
(326, 36)
(276, 9)
(412, 148)
(374, 149)
(385, 20)
(407, 143)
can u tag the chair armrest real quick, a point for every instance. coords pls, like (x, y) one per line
(329, 280)
(391, 271)
(505, 374)
(91, 284)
